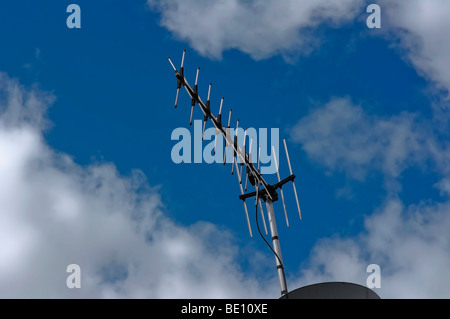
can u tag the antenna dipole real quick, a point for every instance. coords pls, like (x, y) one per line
(268, 192)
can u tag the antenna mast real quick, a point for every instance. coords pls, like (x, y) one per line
(268, 192)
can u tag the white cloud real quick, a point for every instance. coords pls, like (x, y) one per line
(342, 136)
(54, 213)
(410, 244)
(258, 28)
(420, 26)
(267, 28)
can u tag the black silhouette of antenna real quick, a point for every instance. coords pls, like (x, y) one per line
(264, 192)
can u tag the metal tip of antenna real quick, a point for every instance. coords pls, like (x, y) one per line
(173, 66)
(182, 58)
(196, 82)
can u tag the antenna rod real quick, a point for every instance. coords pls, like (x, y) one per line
(196, 94)
(219, 124)
(293, 183)
(208, 109)
(178, 82)
(182, 58)
(226, 139)
(281, 189)
(235, 146)
(181, 73)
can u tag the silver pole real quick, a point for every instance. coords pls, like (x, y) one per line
(276, 246)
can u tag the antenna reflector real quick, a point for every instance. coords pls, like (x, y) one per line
(293, 183)
(281, 187)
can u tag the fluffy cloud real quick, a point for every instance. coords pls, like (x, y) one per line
(264, 29)
(410, 244)
(342, 136)
(419, 26)
(54, 213)
(258, 28)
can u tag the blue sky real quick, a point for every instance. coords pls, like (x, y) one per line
(364, 112)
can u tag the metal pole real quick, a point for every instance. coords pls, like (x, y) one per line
(276, 247)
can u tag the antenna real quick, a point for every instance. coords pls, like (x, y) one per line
(268, 192)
